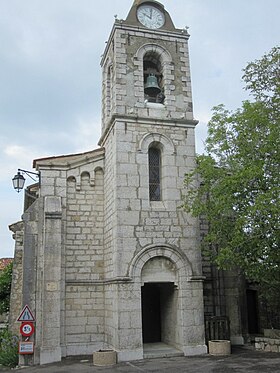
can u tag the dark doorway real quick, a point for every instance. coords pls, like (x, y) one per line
(151, 313)
(252, 311)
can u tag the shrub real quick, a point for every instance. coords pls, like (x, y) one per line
(5, 287)
(8, 348)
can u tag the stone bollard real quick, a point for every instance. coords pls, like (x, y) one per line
(104, 358)
(219, 347)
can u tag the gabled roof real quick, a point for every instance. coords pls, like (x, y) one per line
(65, 161)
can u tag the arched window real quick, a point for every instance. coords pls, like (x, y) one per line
(154, 173)
(109, 91)
(153, 78)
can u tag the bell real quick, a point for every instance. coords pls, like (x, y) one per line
(151, 87)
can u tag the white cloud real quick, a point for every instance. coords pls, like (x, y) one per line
(16, 151)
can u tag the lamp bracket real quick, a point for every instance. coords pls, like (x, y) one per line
(29, 173)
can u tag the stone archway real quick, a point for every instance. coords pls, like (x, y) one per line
(159, 300)
(174, 254)
(168, 275)
(162, 273)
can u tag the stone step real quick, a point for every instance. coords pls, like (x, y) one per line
(156, 350)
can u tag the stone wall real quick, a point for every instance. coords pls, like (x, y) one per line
(267, 344)
(137, 221)
(84, 257)
(84, 264)
(84, 318)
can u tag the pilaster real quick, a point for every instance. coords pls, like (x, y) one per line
(51, 302)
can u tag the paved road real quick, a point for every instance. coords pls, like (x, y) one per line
(241, 360)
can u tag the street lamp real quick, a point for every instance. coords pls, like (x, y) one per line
(19, 180)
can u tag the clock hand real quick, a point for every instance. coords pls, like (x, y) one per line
(147, 14)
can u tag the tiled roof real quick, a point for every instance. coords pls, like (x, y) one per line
(4, 262)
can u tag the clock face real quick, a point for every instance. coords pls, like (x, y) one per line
(150, 16)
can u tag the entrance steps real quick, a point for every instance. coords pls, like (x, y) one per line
(160, 349)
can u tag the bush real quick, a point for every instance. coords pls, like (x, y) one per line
(8, 348)
(5, 287)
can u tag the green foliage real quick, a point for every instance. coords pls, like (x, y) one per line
(262, 78)
(8, 349)
(240, 189)
(5, 288)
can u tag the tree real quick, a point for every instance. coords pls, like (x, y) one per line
(5, 287)
(239, 195)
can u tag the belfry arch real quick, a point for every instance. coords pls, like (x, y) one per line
(156, 62)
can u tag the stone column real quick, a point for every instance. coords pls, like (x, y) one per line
(51, 301)
(16, 289)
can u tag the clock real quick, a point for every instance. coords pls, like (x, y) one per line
(150, 16)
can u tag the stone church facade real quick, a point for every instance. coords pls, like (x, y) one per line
(109, 259)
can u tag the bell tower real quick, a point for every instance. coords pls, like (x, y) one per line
(145, 68)
(151, 246)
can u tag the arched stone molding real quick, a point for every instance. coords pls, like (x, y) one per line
(166, 63)
(164, 55)
(71, 179)
(85, 179)
(154, 137)
(175, 255)
(75, 179)
(77, 174)
(107, 89)
(159, 269)
(92, 180)
(107, 69)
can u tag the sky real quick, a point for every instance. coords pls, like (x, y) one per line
(50, 75)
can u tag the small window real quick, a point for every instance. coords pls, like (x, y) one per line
(154, 174)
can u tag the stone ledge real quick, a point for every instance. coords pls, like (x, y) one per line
(271, 333)
(267, 344)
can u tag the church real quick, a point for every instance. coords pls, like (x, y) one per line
(107, 257)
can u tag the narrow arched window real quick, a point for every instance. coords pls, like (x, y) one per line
(154, 174)
(153, 78)
(108, 97)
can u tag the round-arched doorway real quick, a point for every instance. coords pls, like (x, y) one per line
(159, 300)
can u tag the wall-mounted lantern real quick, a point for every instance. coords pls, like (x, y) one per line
(19, 180)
